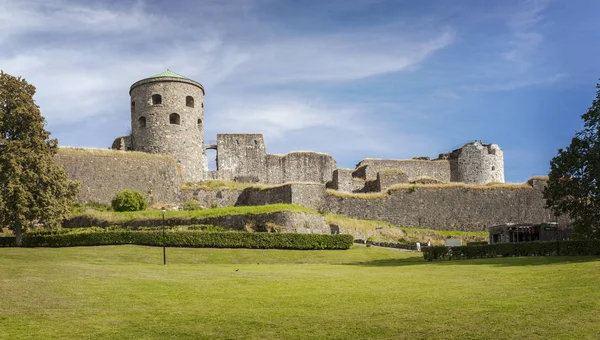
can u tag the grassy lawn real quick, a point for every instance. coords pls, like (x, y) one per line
(124, 292)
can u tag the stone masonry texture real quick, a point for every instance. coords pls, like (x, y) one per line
(154, 131)
(103, 173)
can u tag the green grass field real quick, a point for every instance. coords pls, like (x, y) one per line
(124, 292)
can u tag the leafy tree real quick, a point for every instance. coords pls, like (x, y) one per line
(575, 175)
(33, 188)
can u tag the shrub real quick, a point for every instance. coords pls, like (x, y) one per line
(194, 239)
(191, 205)
(129, 200)
(547, 248)
(8, 241)
(477, 243)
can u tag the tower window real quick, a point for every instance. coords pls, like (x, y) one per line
(142, 122)
(174, 119)
(202, 105)
(237, 142)
(199, 123)
(255, 142)
(132, 106)
(189, 101)
(493, 168)
(156, 99)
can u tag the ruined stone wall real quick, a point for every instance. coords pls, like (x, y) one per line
(241, 157)
(103, 173)
(154, 131)
(388, 178)
(451, 208)
(211, 198)
(438, 169)
(480, 164)
(342, 180)
(299, 166)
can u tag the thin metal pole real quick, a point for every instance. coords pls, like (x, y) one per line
(163, 238)
(556, 233)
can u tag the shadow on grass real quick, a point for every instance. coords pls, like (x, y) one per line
(497, 262)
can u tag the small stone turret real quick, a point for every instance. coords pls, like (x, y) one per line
(167, 117)
(479, 163)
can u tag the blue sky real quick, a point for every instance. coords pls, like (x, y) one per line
(356, 79)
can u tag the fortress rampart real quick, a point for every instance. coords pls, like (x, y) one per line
(243, 158)
(103, 173)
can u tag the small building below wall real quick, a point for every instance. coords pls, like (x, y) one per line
(523, 232)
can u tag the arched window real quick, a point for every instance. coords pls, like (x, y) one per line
(132, 106)
(156, 99)
(493, 168)
(189, 101)
(142, 122)
(199, 123)
(174, 119)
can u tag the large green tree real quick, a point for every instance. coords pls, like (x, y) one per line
(575, 175)
(33, 188)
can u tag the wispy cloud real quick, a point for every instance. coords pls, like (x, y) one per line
(53, 16)
(526, 37)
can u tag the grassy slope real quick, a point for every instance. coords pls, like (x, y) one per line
(124, 292)
(408, 234)
(157, 214)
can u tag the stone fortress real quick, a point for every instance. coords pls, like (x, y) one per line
(167, 117)
(165, 158)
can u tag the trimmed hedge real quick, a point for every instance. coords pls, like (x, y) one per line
(546, 248)
(194, 239)
(8, 241)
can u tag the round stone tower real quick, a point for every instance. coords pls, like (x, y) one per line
(167, 117)
(480, 164)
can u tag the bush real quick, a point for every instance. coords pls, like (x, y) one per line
(191, 205)
(193, 239)
(477, 243)
(129, 200)
(547, 248)
(8, 241)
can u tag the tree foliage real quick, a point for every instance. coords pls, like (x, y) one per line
(129, 200)
(575, 174)
(33, 188)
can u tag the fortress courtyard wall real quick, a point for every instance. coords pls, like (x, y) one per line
(413, 168)
(103, 173)
(464, 208)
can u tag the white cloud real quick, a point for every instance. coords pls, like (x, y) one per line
(69, 17)
(526, 38)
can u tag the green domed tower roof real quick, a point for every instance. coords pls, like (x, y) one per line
(169, 73)
(170, 76)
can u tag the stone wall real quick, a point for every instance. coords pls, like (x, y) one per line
(243, 158)
(299, 166)
(211, 198)
(103, 173)
(342, 180)
(451, 208)
(310, 195)
(388, 178)
(413, 168)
